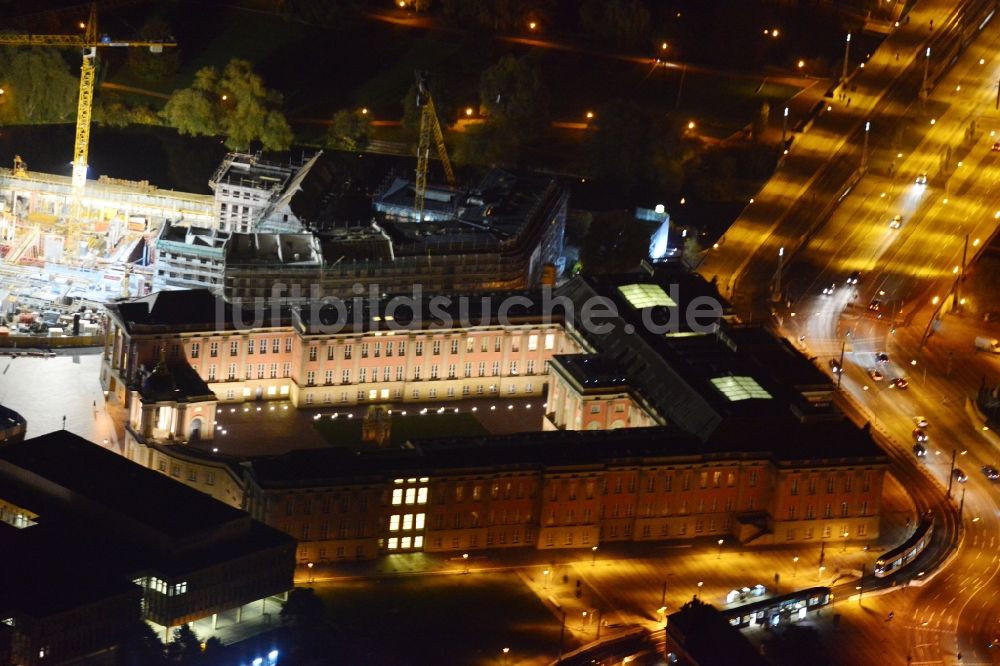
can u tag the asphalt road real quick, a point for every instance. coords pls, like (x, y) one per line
(821, 160)
(957, 611)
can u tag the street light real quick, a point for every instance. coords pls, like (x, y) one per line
(465, 560)
(506, 655)
(545, 579)
(532, 25)
(468, 111)
(700, 583)
(795, 565)
(583, 619)
(784, 128)
(864, 147)
(927, 67)
(590, 115)
(593, 556)
(721, 541)
(310, 565)
(845, 535)
(847, 53)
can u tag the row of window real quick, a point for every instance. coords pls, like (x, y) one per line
(415, 394)
(866, 480)
(791, 534)
(192, 473)
(376, 348)
(234, 347)
(828, 510)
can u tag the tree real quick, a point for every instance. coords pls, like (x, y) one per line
(141, 647)
(38, 86)
(514, 97)
(350, 130)
(185, 648)
(303, 608)
(615, 243)
(635, 151)
(141, 62)
(235, 104)
(623, 22)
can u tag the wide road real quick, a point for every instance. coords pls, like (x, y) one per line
(822, 158)
(905, 270)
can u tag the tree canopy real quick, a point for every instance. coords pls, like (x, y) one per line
(514, 97)
(141, 62)
(635, 151)
(235, 104)
(38, 86)
(615, 243)
(350, 130)
(623, 22)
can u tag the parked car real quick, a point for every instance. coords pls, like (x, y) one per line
(991, 472)
(959, 475)
(899, 383)
(996, 147)
(919, 435)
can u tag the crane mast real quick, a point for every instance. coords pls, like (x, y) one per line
(429, 124)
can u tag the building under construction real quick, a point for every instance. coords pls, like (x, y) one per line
(498, 235)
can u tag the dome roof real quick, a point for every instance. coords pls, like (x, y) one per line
(159, 385)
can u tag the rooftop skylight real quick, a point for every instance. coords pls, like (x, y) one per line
(642, 296)
(740, 388)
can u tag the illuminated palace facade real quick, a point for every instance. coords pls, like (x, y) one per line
(720, 432)
(292, 358)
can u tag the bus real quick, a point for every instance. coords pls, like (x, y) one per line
(899, 557)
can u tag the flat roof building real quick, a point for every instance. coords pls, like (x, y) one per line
(97, 538)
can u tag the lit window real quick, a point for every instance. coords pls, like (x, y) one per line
(411, 495)
(418, 542)
(641, 296)
(408, 522)
(394, 523)
(393, 543)
(405, 542)
(550, 340)
(421, 496)
(532, 342)
(420, 520)
(740, 388)
(397, 496)
(424, 479)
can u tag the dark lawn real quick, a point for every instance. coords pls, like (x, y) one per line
(442, 620)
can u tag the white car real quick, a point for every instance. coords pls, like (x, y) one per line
(922, 179)
(920, 421)
(896, 222)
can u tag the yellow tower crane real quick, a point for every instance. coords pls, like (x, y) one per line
(89, 41)
(428, 123)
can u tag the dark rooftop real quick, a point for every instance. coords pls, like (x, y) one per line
(118, 485)
(786, 440)
(593, 371)
(708, 639)
(189, 309)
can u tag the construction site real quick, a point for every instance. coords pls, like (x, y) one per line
(69, 244)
